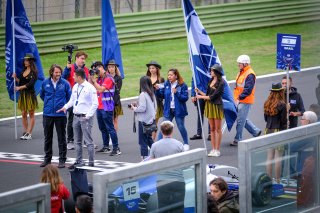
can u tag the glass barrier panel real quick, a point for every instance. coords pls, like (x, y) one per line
(283, 177)
(171, 190)
(22, 208)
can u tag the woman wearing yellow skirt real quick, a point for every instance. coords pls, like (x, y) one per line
(27, 101)
(114, 71)
(154, 73)
(214, 107)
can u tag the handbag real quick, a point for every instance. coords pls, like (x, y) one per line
(149, 128)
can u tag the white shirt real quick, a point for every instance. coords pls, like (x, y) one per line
(173, 85)
(54, 83)
(83, 99)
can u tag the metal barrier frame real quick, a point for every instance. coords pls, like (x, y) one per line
(196, 158)
(40, 193)
(262, 143)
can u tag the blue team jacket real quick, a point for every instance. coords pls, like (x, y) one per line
(180, 99)
(54, 99)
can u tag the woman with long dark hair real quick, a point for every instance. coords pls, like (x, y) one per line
(145, 110)
(213, 109)
(154, 73)
(27, 101)
(275, 114)
(175, 95)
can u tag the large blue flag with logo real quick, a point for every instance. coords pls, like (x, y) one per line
(24, 43)
(110, 42)
(202, 56)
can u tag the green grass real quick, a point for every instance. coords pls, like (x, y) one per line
(259, 44)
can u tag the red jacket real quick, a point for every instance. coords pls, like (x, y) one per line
(56, 199)
(73, 69)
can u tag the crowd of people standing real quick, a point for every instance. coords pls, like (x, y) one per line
(74, 95)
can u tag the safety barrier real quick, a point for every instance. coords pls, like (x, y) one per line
(169, 24)
(260, 193)
(35, 198)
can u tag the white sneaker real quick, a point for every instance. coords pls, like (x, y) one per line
(70, 146)
(186, 147)
(217, 153)
(211, 153)
(27, 136)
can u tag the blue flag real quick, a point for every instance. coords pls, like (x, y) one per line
(24, 43)
(203, 55)
(110, 42)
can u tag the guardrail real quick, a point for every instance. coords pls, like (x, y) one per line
(298, 145)
(169, 24)
(35, 198)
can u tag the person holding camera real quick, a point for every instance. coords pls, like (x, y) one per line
(145, 110)
(113, 70)
(105, 87)
(68, 74)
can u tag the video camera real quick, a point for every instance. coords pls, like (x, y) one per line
(69, 48)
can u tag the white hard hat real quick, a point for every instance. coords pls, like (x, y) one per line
(244, 59)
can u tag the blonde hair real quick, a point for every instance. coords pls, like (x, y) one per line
(50, 174)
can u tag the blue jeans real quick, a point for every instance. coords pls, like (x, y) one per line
(145, 141)
(180, 124)
(243, 122)
(106, 126)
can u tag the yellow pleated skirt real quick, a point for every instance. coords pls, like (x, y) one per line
(27, 101)
(213, 110)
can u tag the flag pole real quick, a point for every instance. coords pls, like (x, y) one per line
(14, 70)
(195, 83)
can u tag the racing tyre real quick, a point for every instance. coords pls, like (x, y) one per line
(261, 189)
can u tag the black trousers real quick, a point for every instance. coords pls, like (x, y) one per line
(201, 104)
(170, 196)
(70, 123)
(48, 124)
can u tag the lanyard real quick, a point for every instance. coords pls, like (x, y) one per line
(78, 94)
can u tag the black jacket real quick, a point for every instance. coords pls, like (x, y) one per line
(215, 95)
(296, 105)
(278, 121)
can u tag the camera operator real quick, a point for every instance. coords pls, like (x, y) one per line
(105, 90)
(68, 73)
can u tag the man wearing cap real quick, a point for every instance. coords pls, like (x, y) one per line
(244, 98)
(105, 87)
(68, 74)
(85, 103)
(55, 93)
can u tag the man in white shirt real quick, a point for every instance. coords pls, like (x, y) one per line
(85, 103)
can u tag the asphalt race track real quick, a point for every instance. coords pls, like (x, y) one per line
(20, 160)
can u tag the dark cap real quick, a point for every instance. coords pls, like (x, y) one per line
(154, 63)
(29, 56)
(217, 68)
(112, 62)
(276, 87)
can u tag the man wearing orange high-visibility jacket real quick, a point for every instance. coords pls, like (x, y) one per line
(244, 98)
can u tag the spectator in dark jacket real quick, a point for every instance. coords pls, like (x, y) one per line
(227, 200)
(275, 114)
(55, 93)
(295, 101)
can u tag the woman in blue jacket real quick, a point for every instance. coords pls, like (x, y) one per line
(175, 95)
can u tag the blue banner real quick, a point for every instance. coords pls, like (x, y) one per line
(288, 52)
(202, 56)
(24, 43)
(110, 42)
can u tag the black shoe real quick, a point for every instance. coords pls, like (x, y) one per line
(44, 163)
(196, 137)
(75, 165)
(234, 143)
(258, 134)
(105, 150)
(209, 137)
(115, 152)
(91, 164)
(61, 165)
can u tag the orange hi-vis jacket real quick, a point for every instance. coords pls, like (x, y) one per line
(240, 82)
